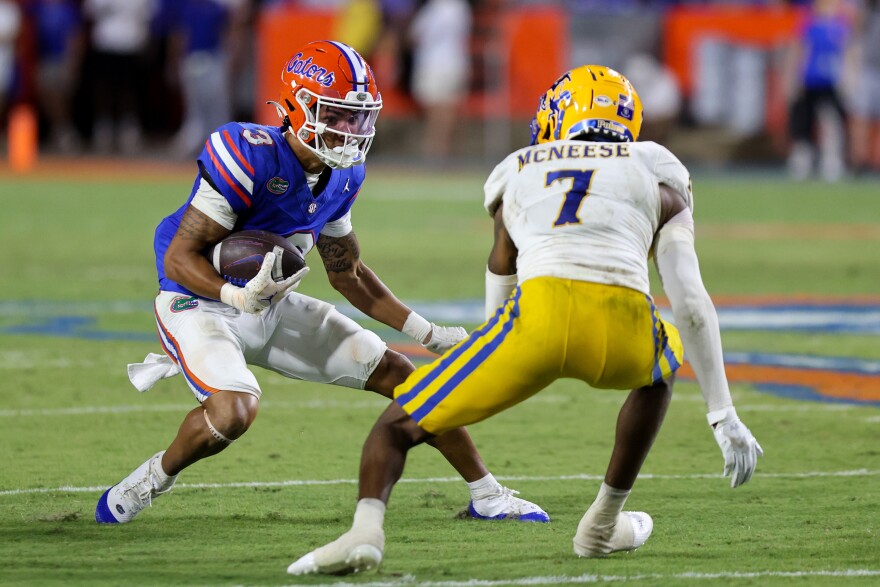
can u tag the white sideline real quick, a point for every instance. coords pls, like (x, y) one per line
(411, 581)
(319, 482)
(378, 403)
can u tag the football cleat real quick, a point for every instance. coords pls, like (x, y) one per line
(122, 502)
(353, 552)
(628, 532)
(502, 505)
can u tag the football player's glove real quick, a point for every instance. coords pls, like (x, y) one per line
(738, 446)
(255, 297)
(437, 339)
(444, 338)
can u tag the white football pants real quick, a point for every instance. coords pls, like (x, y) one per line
(299, 337)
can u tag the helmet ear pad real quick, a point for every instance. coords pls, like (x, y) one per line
(300, 114)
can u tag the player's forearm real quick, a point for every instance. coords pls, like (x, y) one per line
(193, 271)
(697, 323)
(694, 313)
(366, 292)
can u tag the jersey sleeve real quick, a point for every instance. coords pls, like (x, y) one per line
(496, 185)
(228, 161)
(212, 204)
(339, 224)
(670, 171)
(339, 227)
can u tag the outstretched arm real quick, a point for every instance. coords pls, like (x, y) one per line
(353, 279)
(697, 322)
(357, 282)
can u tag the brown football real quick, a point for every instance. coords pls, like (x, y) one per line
(239, 256)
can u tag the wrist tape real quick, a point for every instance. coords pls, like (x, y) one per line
(416, 327)
(716, 416)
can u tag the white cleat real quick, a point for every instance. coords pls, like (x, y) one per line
(503, 505)
(352, 552)
(122, 502)
(628, 532)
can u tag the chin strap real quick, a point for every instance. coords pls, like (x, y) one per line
(282, 114)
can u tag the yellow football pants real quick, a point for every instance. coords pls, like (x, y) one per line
(610, 337)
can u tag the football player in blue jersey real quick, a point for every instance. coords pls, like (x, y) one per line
(299, 180)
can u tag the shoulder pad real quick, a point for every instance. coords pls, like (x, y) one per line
(235, 156)
(670, 171)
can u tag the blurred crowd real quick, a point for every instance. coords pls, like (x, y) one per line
(127, 76)
(106, 75)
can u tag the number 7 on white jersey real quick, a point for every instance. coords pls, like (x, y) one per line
(581, 180)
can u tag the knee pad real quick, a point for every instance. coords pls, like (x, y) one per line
(366, 348)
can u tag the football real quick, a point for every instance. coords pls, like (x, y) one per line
(239, 256)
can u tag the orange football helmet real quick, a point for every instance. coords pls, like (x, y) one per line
(590, 101)
(330, 101)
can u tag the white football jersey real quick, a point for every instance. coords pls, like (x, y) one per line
(585, 210)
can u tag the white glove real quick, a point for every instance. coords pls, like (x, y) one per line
(444, 338)
(739, 447)
(285, 286)
(256, 296)
(437, 339)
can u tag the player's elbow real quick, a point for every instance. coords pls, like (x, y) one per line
(692, 310)
(174, 265)
(345, 282)
(179, 264)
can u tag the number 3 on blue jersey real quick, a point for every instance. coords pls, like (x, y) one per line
(581, 180)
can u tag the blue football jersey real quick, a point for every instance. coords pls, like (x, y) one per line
(257, 172)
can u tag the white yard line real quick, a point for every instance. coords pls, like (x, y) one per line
(411, 581)
(323, 482)
(378, 403)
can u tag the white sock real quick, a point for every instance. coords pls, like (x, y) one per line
(483, 487)
(161, 480)
(608, 503)
(370, 514)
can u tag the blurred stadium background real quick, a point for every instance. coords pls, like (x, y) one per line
(719, 79)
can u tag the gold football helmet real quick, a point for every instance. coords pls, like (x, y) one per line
(589, 100)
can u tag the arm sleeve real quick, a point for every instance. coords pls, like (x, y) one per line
(498, 289)
(693, 309)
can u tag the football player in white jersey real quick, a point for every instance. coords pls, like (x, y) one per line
(577, 216)
(300, 181)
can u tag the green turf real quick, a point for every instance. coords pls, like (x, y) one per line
(427, 236)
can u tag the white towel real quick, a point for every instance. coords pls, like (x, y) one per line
(155, 367)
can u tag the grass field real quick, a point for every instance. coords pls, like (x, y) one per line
(76, 308)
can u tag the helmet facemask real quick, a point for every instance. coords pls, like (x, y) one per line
(338, 131)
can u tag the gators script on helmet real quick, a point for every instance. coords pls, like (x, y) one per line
(330, 100)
